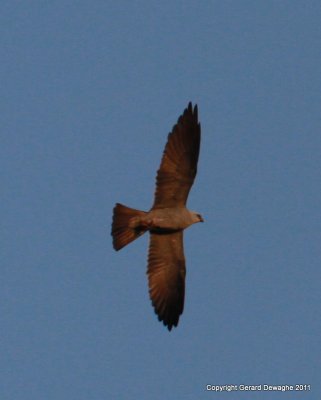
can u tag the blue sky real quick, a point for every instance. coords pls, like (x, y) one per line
(90, 91)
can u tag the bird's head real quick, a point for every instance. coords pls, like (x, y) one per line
(197, 217)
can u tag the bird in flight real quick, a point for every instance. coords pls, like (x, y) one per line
(167, 219)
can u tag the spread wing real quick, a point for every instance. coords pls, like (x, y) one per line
(178, 167)
(166, 276)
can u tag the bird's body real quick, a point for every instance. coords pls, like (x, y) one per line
(167, 219)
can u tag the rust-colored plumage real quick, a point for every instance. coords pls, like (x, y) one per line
(166, 276)
(167, 219)
(178, 167)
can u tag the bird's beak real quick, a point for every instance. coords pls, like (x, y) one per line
(201, 219)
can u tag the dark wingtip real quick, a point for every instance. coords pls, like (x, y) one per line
(169, 324)
(192, 110)
(196, 112)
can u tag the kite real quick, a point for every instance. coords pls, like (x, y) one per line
(167, 219)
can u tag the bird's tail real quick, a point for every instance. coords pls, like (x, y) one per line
(124, 230)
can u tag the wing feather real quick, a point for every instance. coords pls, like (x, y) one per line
(178, 167)
(166, 276)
